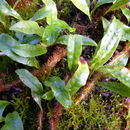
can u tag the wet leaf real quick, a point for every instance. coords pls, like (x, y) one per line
(51, 7)
(40, 14)
(30, 61)
(33, 83)
(83, 5)
(126, 12)
(48, 95)
(119, 72)
(26, 50)
(108, 44)
(74, 48)
(78, 79)
(7, 42)
(117, 4)
(13, 122)
(60, 92)
(8, 10)
(102, 2)
(116, 87)
(51, 32)
(3, 105)
(28, 27)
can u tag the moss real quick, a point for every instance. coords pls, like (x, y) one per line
(97, 114)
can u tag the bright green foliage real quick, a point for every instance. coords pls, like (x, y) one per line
(126, 12)
(28, 27)
(51, 32)
(60, 91)
(108, 44)
(40, 14)
(3, 105)
(78, 79)
(116, 87)
(51, 6)
(3, 19)
(48, 95)
(74, 48)
(117, 4)
(13, 122)
(30, 61)
(83, 5)
(101, 2)
(7, 10)
(7, 42)
(33, 83)
(26, 50)
(119, 72)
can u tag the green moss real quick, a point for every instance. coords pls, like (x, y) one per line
(92, 115)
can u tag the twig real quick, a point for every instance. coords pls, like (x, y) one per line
(86, 90)
(40, 120)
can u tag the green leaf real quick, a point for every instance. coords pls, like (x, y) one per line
(60, 92)
(125, 29)
(126, 12)
(50, 6)
(40, 14)
(26, 50)
(13, 122)
(116, 87)
(74, 48)
(30, 61)
(117, 4)
(102, 2)
(3, 19)
(28, 27)
(48, 95)
(119, 72)
(7, 10)
(51, 32)
(7, 42)
(83, 5)
(108, 44)
(3, 105)
(78, 79)
(33, 83)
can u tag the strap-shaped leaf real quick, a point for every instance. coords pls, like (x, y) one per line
(78, 79)
(13, 122)
(119, 72)
(74, 48)
(51, 32)
(3, 105)
(83, 5)
(33, 83)
(26, 50)
(60, 91)
(3, 19)
(125, 29)
(30, 61)
(40, 14)
(50, 6)
(48, 95)
(116, 87)
(126, 12)
(117, 4)
(108, 44)
(6, 9)
(102, 2)
(7, 42)
(28, 27)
